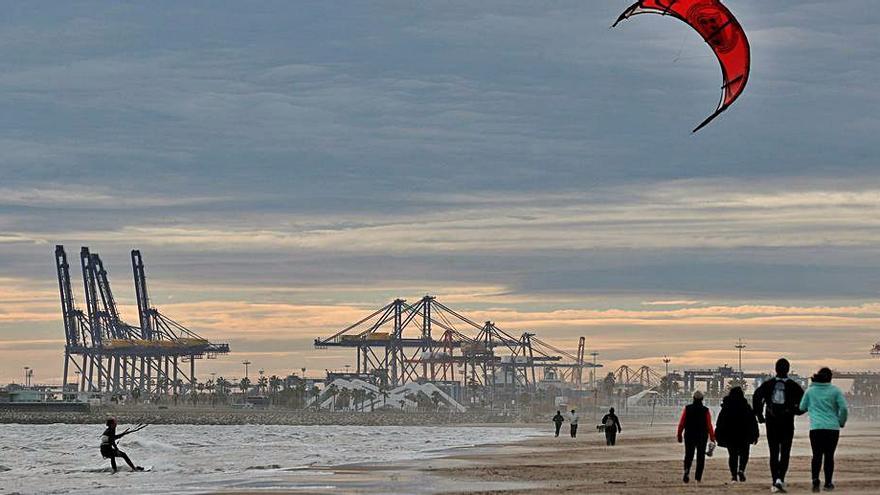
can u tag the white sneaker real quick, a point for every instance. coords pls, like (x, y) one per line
(774, 489)
(779, 487)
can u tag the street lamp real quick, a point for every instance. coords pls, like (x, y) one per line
(26, 375)
(740, 346)
(246, 364)
(593, 370)
(666, 361)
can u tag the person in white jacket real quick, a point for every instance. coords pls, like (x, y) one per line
(573, 419)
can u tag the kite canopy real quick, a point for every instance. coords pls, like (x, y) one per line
(719, 28)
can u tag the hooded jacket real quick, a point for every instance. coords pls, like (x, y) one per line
(736, 423)
(826, 406)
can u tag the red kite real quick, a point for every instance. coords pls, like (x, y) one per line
(719, 29)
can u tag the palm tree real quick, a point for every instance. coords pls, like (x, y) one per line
(262, 383)
(209, 386)
(223, 386)
(608, 385)
(383, 389)
(344, 399)
(274, 387)
(316, 393)
(423, 400)
(371, 396)
(162, 384)
(358, 395)
(244, 385)
(226, 389)
(300, 394)
(333, 390)
(436, 399)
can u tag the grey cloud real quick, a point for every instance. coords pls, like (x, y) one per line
(518, 145)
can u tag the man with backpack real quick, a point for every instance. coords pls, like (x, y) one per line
(612, 427)
(776, 404)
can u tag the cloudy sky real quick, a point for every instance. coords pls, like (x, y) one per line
(286, 167)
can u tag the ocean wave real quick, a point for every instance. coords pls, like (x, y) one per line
(187, 459)
(150, 444)
(266, 466)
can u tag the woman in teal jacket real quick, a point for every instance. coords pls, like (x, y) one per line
(828, 412)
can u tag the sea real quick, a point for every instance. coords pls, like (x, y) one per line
(63, 458)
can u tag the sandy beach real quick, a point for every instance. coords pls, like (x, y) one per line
(647, 460)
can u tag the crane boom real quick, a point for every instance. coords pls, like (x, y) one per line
(68, 306)
(143, 297)
(91, 295)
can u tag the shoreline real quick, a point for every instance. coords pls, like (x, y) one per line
(294, 417)
(646, 461)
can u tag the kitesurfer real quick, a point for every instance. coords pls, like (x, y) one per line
(557, 420)
(612, 427)
(776, 403)
(827, 408)
(695, 429)
(109, 449)
(736, 429)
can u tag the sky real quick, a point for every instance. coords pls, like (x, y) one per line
(288, 167)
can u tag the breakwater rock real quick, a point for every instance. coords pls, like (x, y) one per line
(228, 416)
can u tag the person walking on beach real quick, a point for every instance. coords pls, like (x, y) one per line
(735, 429)
(573, 420)
(612, 427)
(695, 429)
(827, 408)
(776, 404)
(109, 449)
(557, 420)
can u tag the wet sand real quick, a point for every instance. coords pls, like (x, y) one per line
(646, 460)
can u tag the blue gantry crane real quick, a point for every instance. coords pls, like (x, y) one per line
(110, 355)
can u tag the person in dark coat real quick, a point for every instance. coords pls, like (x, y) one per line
(736, 429)
(695, 430)
(558, 420)
(612, 427)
